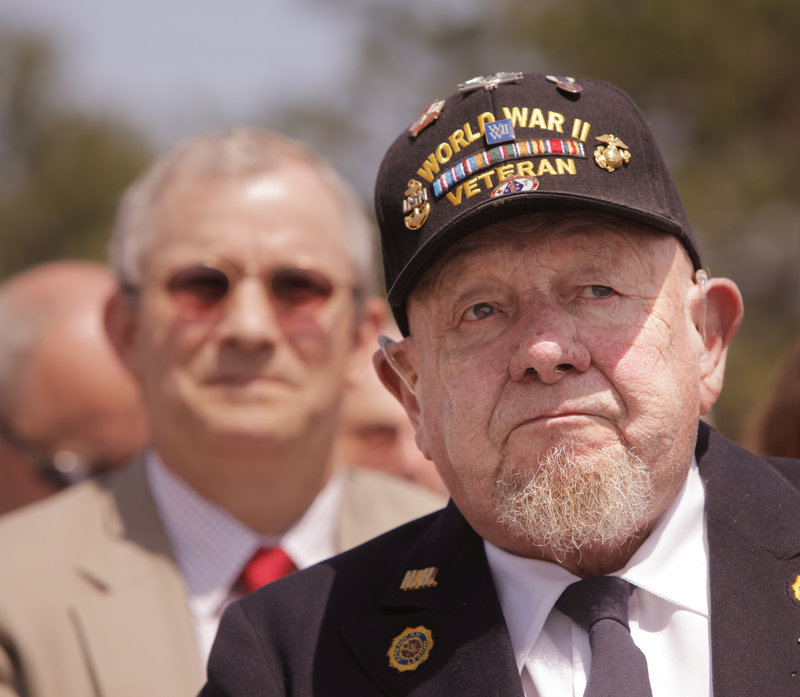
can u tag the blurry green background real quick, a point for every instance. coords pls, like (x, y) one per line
(720, 83)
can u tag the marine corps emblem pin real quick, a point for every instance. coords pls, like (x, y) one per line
(612, 155)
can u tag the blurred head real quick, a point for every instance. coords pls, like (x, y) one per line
(232, 155)
(374, 431)
(773, 428)
(67, 404)
(561, 342)
(243, 263)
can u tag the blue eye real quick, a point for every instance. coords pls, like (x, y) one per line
(479, 311)
(600, 291)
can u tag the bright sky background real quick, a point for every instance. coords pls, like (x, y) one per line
(174, 66)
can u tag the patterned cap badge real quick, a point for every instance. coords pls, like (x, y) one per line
(613, 155)
(489, 82)
(410, 649)
(499, 131)
(416, 206)
(427, 116)
(517, 185)
(565, 84)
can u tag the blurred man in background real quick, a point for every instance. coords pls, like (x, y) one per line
(68, 407)
(375, 431)
(243, 265)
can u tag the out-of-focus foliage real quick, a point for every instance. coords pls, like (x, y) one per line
(61, 173)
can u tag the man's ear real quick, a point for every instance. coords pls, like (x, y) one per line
(395, 364)
(717, 324)
(121, 324)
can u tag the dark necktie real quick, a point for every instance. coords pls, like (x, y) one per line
(600, 605)
(265, 566)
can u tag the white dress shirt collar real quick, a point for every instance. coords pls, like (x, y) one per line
(672, 562)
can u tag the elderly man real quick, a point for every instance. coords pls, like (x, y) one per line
(68, 408)
(243, 264)
(561, 342)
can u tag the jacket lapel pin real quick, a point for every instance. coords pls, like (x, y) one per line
(794, 590)
(419, 578)
(410, 649)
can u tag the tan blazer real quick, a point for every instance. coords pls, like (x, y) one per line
(92, 602)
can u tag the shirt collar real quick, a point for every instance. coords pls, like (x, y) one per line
(672, 563)
(211, 546)
(528, 590)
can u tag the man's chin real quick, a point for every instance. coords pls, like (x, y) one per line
(248, 391)
(567, 501)
(245, 420)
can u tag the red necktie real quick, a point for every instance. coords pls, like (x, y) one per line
(266, 565)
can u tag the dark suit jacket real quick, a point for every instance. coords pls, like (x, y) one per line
(328, 630)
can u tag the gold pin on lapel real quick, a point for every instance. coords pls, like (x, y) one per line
(794, 590)
(410, 649)
(419, 578)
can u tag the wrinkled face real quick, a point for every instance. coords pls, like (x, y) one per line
(266, 362)
(579, 335)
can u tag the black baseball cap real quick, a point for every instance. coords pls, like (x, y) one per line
(513, 143)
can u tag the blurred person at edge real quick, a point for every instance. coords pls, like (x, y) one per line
(374, 431)
(773, 427)
(243, 263)
(68, 407)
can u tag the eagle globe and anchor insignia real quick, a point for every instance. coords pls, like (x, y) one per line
(612, 155)
(410, 649)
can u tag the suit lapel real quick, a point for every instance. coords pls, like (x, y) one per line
(468, 649)
(138, 616)
(754, 540)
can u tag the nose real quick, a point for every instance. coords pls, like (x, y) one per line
(549, 348)
(248, 322)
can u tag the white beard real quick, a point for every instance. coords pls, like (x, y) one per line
(570, 503)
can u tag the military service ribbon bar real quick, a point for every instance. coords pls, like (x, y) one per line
(508, 151)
